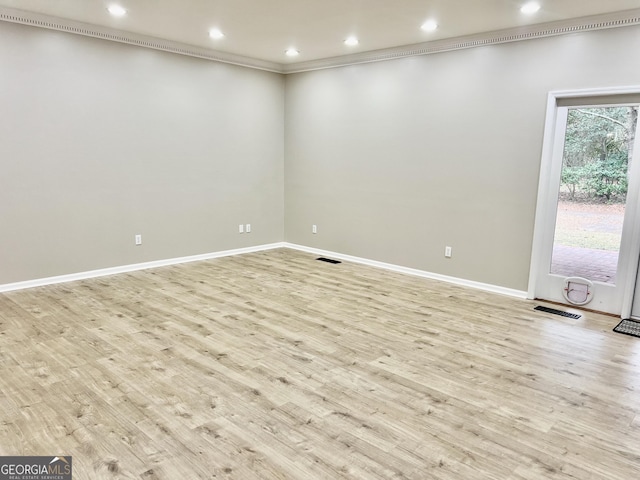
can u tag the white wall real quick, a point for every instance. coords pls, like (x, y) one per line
(102, 141)
(392, 160)
(395, 160)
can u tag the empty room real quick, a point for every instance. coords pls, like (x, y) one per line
(329, 239)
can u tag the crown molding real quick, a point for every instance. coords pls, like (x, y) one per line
(105, 33)
(583, 24)
(529, 32)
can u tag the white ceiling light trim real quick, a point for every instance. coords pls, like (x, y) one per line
(216, 33)
(429, 26)
(351, 41)
(530, 8)
(596, 22)
(117, 10)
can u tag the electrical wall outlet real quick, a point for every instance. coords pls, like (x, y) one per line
(247, 228)
(314, 229)
(138, 239)
(447, 252)
(241, 228)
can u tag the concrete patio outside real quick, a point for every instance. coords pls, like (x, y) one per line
(587, 224)
(592, 264)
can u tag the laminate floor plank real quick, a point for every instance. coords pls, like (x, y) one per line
(273, 365)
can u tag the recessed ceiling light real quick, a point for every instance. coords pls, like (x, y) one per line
(530, 7)
(292, 52)
(216, 34)
(351, 41)
(429, 26)
(117, 10)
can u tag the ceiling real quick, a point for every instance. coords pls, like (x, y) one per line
(264, 29)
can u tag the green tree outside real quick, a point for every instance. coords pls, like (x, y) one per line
(597, 153)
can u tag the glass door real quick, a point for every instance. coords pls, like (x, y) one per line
(588, 240)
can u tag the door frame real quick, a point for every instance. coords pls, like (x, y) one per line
(546, 202)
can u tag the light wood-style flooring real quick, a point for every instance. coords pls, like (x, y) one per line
(273, 365)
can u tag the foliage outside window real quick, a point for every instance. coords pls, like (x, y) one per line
(597, 153)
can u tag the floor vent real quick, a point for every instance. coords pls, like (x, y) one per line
(557, 312)
(328, 260)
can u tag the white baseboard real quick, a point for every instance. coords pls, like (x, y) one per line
(239, 251)
(131, 268)
(412, 271)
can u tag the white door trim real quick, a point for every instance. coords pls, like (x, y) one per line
(632, 219)
(543, 207)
